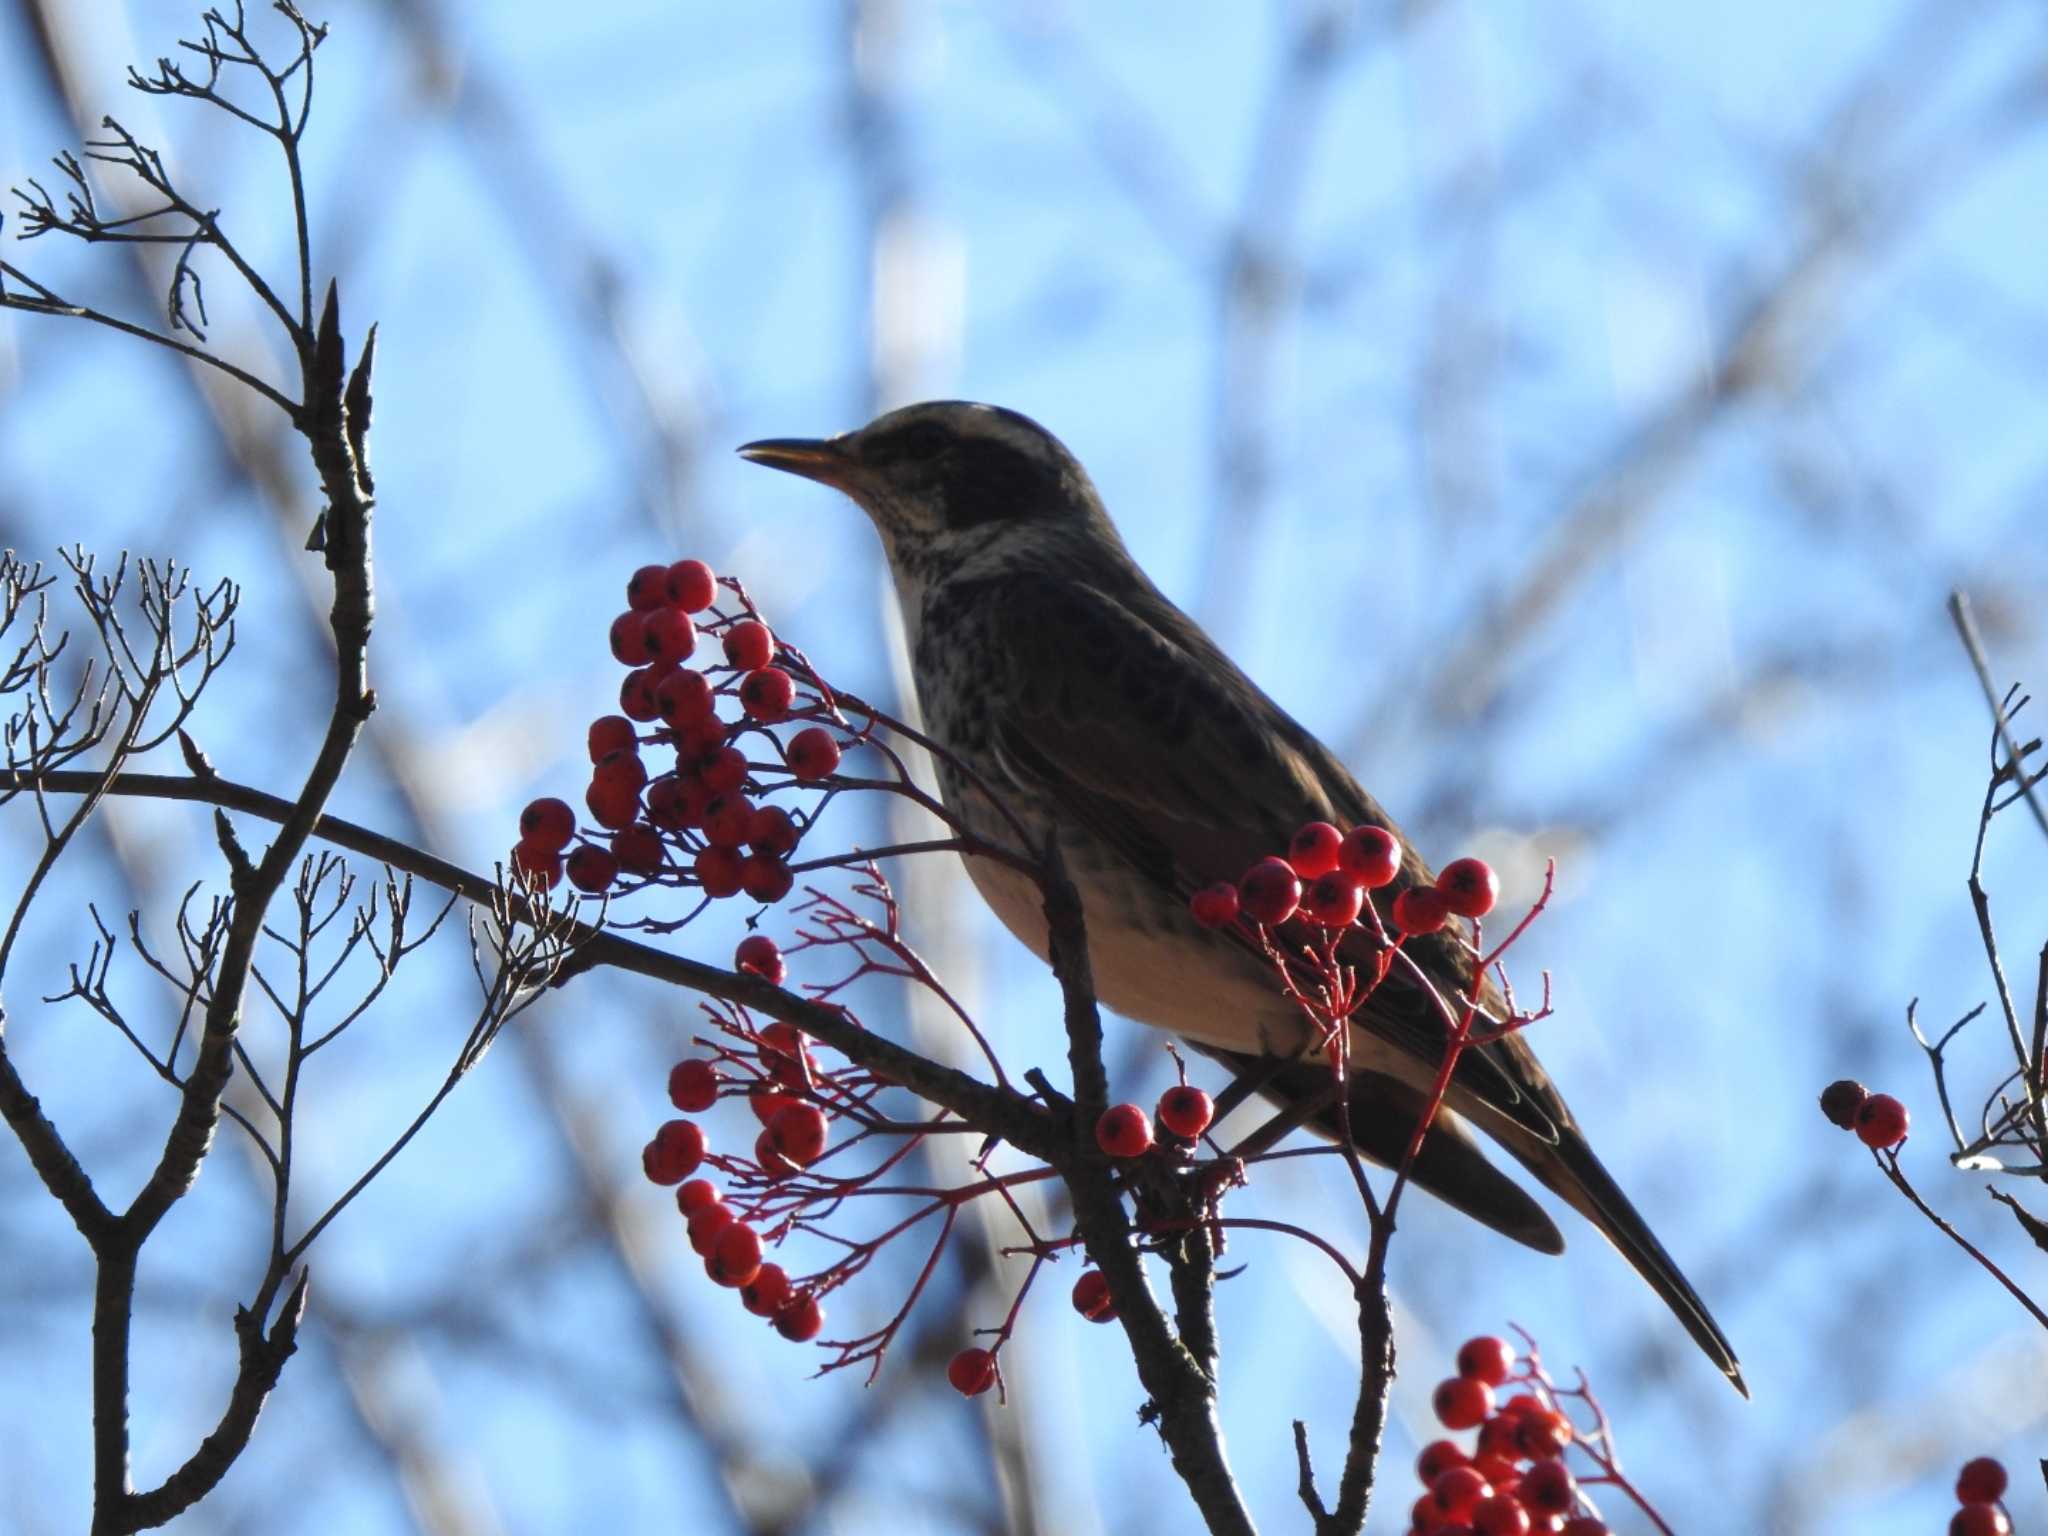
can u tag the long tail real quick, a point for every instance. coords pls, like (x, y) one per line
(1452, 1167)
(1570, 1169)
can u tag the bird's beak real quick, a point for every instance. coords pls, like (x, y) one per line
(813, 458)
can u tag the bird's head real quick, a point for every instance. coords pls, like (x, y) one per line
(947, 481)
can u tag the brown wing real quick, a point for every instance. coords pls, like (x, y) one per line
(1123, 711)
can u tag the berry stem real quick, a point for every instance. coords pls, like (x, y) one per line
(1888, 1161)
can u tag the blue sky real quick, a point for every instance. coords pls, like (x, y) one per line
(1633, 385)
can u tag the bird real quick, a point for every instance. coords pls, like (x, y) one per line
(1068, 692)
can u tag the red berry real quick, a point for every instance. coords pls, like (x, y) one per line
(1547, 1489)
(772, 831)
(694, 1195)
(671, 637)
(773, 1163)
(691, 586)
(798, 1131)
(1497, 1470)
(1124, 1131)
(629, 638)
(693, 1085)
(684, 698)
(619, 773)
(1979, 1519)
(1982, 1481)
(1524, 1402)
(768, 1292)
(1840, 1100)
(1425, 1517)
(1186, 1111)
(636, 694)
(1462, 1402)
(766, 694)
(675, 1152)
(547, 824)
(801, 1319)
(697, 742)
(623, 770)
(724, 771)
(592, 869)
(648, 587)
(541, 865)
(1487, 1359)
(1457, 1490)
(1269, 892)
(1420, 909)
(1092, 1299)
(1500, 1514)
(668, 803)
(760, 956)
(1881, 1120)
(1543, 1435)
(813, 753)
(1584, 1525)
(1373, 854)
(1314, 849)
(749, 645)
(1500, 1436)
(612, 804)
(706, 1222)
(972, 1372)
(1214, 906)
(638, 849)
(728, 819)
(611, 733)
(765, 879)
(795, 1072)
(1469, 886)
(696, 804)
(1437, 1458)
(1333, 900)
(718, 871)
(788, 1060)
(735, 1257)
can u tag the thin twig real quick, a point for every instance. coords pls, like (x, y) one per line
(1966, 626)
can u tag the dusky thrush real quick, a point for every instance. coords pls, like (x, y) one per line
(1049, 666)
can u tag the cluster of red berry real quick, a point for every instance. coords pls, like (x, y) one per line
(794, 1132)
(1980, 1487)
(1514, 1482)
(1323, 879)
(697, 823)
(1878, 1119)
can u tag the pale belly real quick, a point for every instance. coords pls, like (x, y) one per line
(1178, 979)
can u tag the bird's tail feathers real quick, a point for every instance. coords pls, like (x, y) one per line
(1570, 1169)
